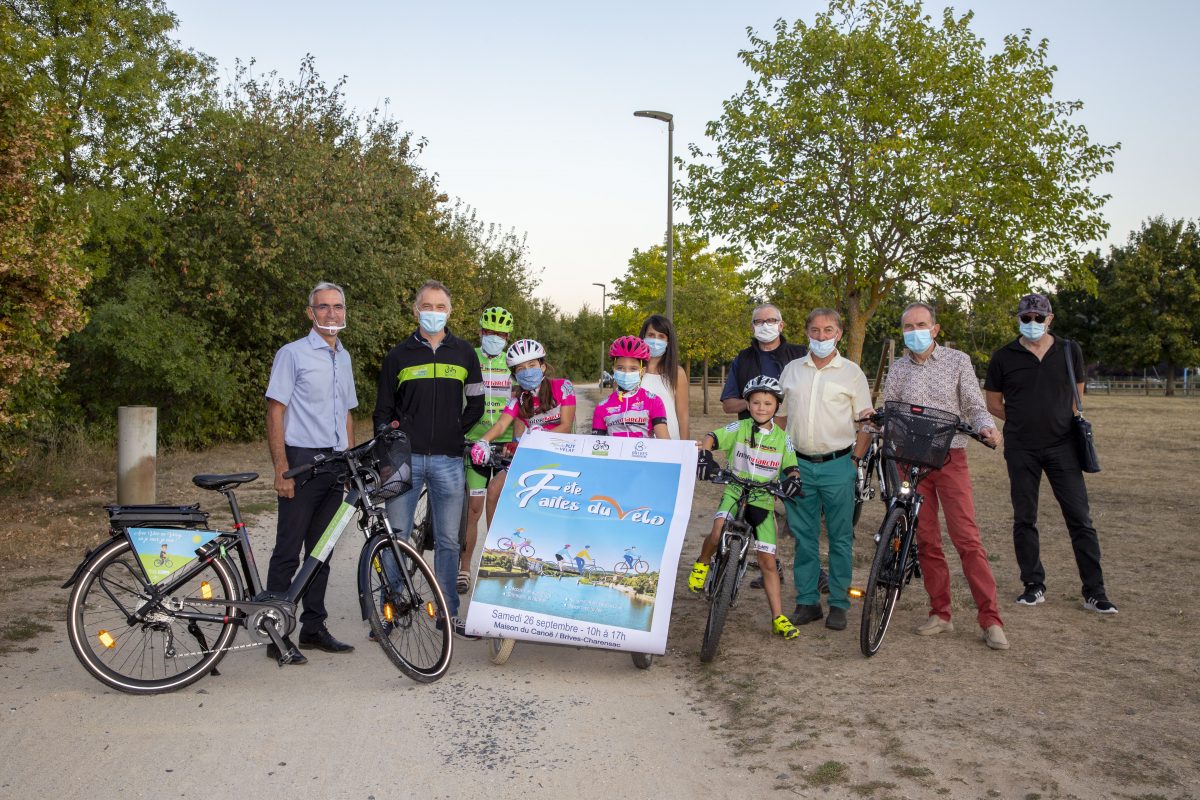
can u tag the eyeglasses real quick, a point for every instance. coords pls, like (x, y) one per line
(1032, 318)
(771, 321)
(325, 308)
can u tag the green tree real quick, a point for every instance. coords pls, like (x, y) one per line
(119, 77)
(882, 152)
(40, 274)
(712, 302)
(1150, 298)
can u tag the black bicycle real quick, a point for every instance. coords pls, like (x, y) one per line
(145, 635)
(914, 440)
(729, 562)
(868, 474)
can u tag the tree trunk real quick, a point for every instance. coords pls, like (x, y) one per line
(856, 326)
(1170, 390)
(704, 386)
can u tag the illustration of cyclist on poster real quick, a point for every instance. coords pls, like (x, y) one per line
(610, 498)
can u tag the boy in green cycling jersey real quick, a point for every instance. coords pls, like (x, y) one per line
(495, 326)
(755, 449)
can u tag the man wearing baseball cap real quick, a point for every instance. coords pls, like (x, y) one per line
(1028, 385)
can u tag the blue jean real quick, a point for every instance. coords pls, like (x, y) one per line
(444, 476)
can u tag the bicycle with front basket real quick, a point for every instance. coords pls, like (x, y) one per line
(731, 558)
(913, 440)
(146, 633)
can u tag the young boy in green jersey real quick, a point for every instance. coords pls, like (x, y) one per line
(755, 449)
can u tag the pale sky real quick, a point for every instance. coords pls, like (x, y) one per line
(528, 106)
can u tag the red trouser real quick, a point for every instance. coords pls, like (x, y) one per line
(950, 487)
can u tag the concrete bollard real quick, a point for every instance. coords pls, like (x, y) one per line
(137, 454)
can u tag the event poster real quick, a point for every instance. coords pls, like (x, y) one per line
(584, 546)
(162, 551)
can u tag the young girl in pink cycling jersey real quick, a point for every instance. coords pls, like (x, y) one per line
(631, 410)
(542, 402)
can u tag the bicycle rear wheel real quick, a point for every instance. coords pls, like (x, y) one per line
(722, 599)
(884, 583)
(162, 652)
(405, 609)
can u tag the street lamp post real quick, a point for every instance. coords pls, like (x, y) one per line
(603, 324)
(663, 116)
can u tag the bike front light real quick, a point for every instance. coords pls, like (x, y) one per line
(905, 488)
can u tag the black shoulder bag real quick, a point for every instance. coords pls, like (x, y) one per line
(1080, 427)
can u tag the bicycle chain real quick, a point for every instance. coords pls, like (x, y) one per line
(224, 650)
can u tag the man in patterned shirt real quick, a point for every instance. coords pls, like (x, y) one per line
(940, 377)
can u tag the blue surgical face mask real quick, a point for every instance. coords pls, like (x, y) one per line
(627, 381)
(1033, 330)
(657, 347)
(530, 379)
(492, 344)
(821, 349)
(919, 340)
(432, 321)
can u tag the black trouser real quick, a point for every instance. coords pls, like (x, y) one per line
(302, 520)
(1061, 465)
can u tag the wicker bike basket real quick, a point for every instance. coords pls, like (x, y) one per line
(918, 435)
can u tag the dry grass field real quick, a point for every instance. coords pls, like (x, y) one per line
(1082, 706)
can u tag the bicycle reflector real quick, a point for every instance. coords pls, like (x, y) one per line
(205, 590)
(855, 592)
(106, 639)
(430, 609)
(389, 613)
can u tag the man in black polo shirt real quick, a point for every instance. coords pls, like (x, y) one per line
(1028, 386)
(431, 384)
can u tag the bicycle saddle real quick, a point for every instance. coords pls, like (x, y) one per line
(219, 483)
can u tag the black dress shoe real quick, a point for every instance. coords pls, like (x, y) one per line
(293, 656)
(837, 619)
(322, 639)
(806, 614)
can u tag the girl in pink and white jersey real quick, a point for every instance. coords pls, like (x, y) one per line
(630, 411)
(542, 402)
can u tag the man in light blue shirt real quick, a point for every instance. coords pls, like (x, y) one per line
(309, 398)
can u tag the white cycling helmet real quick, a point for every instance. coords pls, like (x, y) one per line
(763, 384)
(524, 350)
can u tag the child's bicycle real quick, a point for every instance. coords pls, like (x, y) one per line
(729, 562)
(139, 636)
(915, 440)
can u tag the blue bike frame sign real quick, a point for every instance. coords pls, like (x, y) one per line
(584, 546)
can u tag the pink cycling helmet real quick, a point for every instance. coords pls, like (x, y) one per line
(630, 347)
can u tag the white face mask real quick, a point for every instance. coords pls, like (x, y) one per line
(767, 332)
(821, 349)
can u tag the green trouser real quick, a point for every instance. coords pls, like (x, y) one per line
(828, 486)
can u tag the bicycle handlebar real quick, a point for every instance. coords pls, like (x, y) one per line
(345, 456)
(724, 476)
(879, 417)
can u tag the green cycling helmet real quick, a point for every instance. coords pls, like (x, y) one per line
(496, 319)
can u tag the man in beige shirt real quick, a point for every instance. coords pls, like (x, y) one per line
(824, 394)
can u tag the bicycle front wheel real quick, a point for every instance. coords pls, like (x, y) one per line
(884, 583)
(722, 600)
(162, 652)
(405, 608)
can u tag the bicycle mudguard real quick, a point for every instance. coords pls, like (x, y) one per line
(87, 557)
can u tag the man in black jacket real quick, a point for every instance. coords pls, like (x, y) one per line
(431, 384)
(767, 354)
